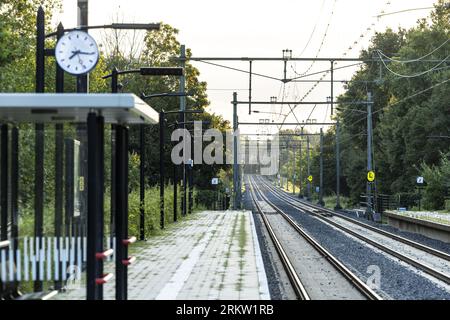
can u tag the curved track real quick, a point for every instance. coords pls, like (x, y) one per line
(354, 287)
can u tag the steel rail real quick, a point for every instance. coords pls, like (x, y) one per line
(357, 283)
(388, 234)
(297, 284)
(431, 271)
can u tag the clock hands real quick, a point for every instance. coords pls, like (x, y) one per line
(82, 52)
(78, 52)
(74, 53)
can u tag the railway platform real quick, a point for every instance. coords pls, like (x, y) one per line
(213, 255)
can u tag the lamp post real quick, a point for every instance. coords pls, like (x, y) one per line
(190, 168)
(162, 120)
(144, 71)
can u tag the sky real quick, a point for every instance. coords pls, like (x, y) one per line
(262, 28)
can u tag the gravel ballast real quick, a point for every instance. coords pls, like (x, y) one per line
(397, 280)
(273, 279)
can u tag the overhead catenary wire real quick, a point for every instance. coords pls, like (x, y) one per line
(400, 76)
(404, 99)
(313, 30)
(239, 70)
(322, 41)
(368, 29)
(326, 71)
(412, 75)
(416, 59)
(352, 136)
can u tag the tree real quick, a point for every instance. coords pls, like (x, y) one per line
(406, 126)
(158, 51)
(18, 26)
(407, 110)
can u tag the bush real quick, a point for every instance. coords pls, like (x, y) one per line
(438, 182)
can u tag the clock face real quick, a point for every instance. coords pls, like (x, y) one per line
(76, 52)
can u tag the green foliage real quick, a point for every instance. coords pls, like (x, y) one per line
(159, 49)
(17, 26)
(17, 74)
(437, 178)
(402, 125)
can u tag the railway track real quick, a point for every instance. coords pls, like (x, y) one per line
(424, 258)
(309, 245)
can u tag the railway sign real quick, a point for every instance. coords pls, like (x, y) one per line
(419, 180)
(310, 178)
(371, 176)
(214, 181)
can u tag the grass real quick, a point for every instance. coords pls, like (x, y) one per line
(431, 218)
(242, 239)
(242, 236)
(330, 202)
(228, 253)
(290, 187)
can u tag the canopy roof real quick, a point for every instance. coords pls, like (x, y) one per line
(120, 108)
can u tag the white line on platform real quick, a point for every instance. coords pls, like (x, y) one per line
(171, 290)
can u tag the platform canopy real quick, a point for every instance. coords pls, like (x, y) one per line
(122, 108)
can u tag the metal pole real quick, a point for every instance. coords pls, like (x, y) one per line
(250, 89)
(338, 168)
(113, 200)
(142, 183)
(4, 182)
(39, 137)
(114, 89)
(121, 218)
(14, 197)
(183, 120)
(40, 50)
(83, 80)
(300, 194)
(309, 169)
(175, 191)
(286, 152)
(332, 86)
(82, 87)
(161, 169)
(95, 206)
(293, 173)
(59, 150)
(235, 155)
(369, 154)
(321, 170)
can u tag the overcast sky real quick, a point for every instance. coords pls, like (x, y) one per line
(262, 28)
